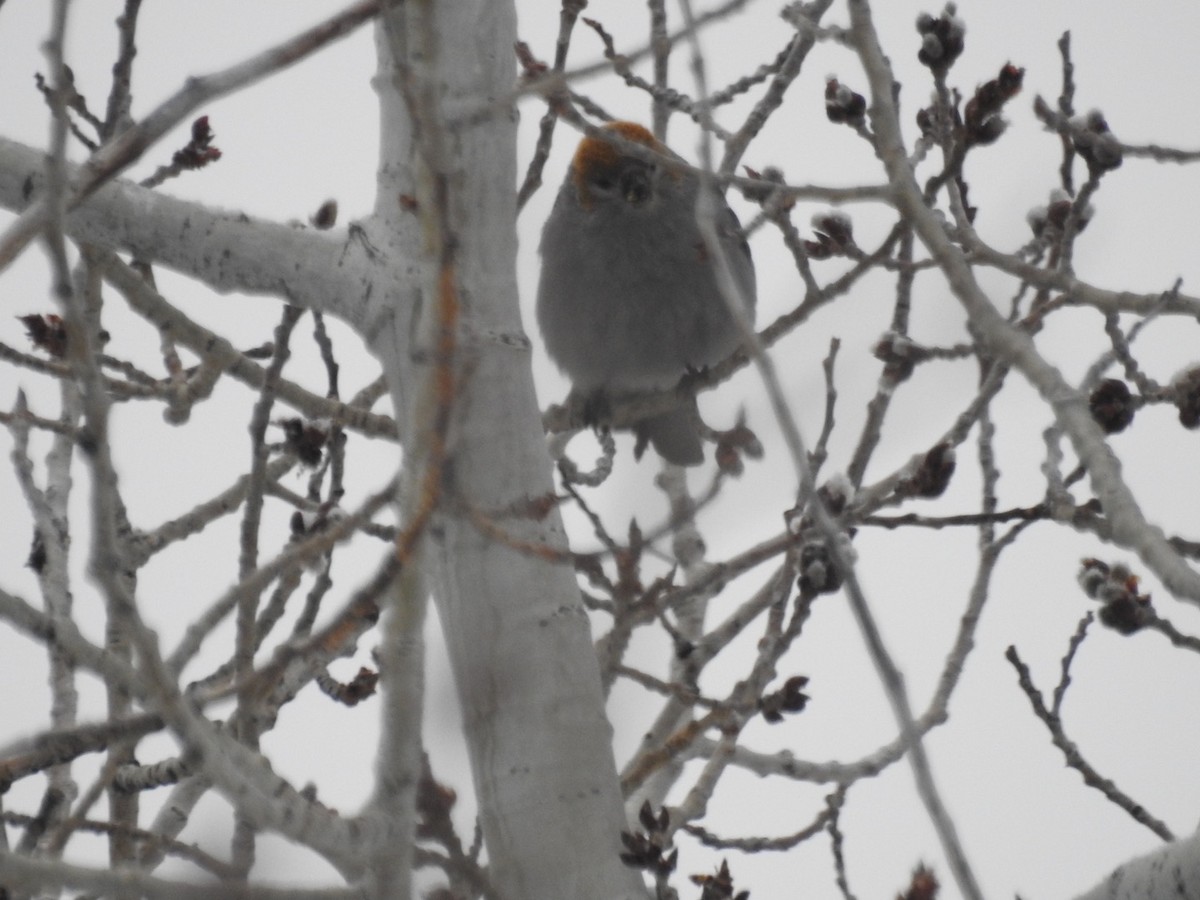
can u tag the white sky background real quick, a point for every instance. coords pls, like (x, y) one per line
(1027, 822)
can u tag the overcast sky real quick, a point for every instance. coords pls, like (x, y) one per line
(311, 134)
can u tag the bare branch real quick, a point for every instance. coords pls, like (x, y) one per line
(128, 146)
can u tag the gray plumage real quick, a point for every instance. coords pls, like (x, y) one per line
(628, 299)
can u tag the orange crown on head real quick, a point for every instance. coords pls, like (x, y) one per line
(595, 153)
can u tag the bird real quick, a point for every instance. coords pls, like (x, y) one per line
(628, 300)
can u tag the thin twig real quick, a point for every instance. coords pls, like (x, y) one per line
(1071, 753)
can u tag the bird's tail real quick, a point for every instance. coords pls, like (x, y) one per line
(674, 435)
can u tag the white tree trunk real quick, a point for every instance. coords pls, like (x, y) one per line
(1167, 873)
(519, 641)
